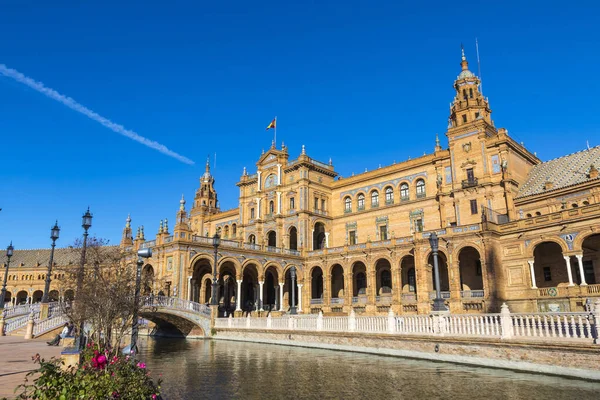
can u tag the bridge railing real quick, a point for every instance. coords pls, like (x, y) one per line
(49, 324)
(176, 303)
(547, 327)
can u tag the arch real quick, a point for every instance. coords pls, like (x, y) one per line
(549, 265)
(360, 201)
(22, 297)
(316, 283)
(347, 204)
(252, 238)
(270, 181)
(206, 293)
(359, 278)
(272, 239)
(534, 243)
(69, 295)
(293, 238)
(337, 281)
(249, 298)
(37, 296)
(443, 270)
(374, 198)
(8, 297)
(404, 191)
(53, 295)
(389, 195)
(319, 236)
(408, 276)
(591, 259)
(147, 279)
(420, 186)
(226, 231)
(470, 269)
(383, 277)
(227, 289)
(232, 260)
(202, 271)
(271, 287)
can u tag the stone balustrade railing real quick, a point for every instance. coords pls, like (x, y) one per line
(581, 327)
(49, 324)
(13, 324)
(175, 303)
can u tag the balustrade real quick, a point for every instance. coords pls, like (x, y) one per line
(472, 294)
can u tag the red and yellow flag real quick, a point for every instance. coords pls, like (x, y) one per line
(273, 124)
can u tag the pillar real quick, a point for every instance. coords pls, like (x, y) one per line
(257, 207)
(260, 294)
(189, 288)
(348, 284)
(580, 263)
(259, 183)
(312, 240)
(326, 240)
(238, 295)
(281, 295)
(569, 272)
(532, 272)
(299, 300)
(278, 202)
(278, 174)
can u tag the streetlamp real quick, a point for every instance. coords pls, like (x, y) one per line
(86, 223)
(438, 302)
(54, 236)
(9, 253)
(142, 253)
(214, 301)
(292, 290)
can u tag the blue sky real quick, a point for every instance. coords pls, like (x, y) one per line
(364, 83)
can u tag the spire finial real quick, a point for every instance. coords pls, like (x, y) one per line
(464, 64)
(207, 163)
(303, 150)
(160, 228)
(273, 144)
(437, 142)
(462, 50)
(245, 172)
(128, 221)
(330, 161)
(166, 229)
(138, 235)
(182, 203)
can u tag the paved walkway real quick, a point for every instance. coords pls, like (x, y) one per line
(15, 356)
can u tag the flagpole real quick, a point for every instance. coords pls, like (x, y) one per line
(275, 134)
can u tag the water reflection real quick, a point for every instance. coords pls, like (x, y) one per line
(200, 369)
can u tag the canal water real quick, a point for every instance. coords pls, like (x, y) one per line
(205, 369)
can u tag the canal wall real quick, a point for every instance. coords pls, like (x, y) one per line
(574, 360)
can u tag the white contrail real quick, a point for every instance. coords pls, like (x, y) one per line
(73, 105)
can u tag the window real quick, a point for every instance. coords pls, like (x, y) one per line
(271, 207)
(420, 188)
(404, 192)
(352, 237)
(316, 203)
(476, 115)
(448, 173)
(470, 175)
(383, 232)
(538, 214)
(464, 117)
(465, 94)
(375, 199)
(322, 205)
(347, 204)
(252, 213)
(252, 239)
(226, 231)
(361, 201)
(389, 195)
(419, 225)
(292, 203)
(412, 282)
(529, 215)
(471, 93)
(234, 229)
(473, 207)
(547, 274)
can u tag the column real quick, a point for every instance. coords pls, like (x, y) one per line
(299, 300)
(326, 240)
(260, 293)
(259, 186)
(278, 174)
(257, 207)
(281, 296)
(568, 262)
(312, 241)
(278, 202)
(580, 263)
(238, 295)
(532, 272)
(189, 288)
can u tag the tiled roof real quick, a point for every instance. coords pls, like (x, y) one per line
(562, 172)
(31, 258)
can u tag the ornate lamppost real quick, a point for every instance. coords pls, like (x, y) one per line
(438, 302)
(142, 253)
(9, 253)
(86, 223)
(54, 236)
(214, 301)
(293, 290)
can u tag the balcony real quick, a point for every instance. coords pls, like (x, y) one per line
(337, 300)
(472, 294)
(467, 183)
(443, 294)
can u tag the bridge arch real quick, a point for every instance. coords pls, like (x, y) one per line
(174, 317)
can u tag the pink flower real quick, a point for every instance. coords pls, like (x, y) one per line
(141, 365)
(153, 397)
(101, 360)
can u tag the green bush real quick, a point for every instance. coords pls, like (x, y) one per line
(101, 375)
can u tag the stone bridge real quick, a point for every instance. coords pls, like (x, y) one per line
(177, 317)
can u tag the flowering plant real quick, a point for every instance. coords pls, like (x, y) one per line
(100, 376)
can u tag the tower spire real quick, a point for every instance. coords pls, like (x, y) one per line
(207, 169)
(463, 63)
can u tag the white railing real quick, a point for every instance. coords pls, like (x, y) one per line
(466, 294)
(175, 303)
(49, 324)
(409, 297)
(17, 310)
(443, 294)
(580, 327)
(15, 323)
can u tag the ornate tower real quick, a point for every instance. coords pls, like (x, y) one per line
(205, 201)
(127, 237)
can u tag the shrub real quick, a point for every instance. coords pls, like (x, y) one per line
(100, 376)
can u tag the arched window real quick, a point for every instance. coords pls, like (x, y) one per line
(586, 203)
(537, 213)
(412, 282)
(471, 93)
(375, 198)
(252, 239)
(529, 215)
(252, 213)
(347, 204)
(465, 94)
(361, 202)
(234, 230)
(389, 195)
(420, 188)
(226, 231)
(574, 205)
(404, 191)
(271, 207)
